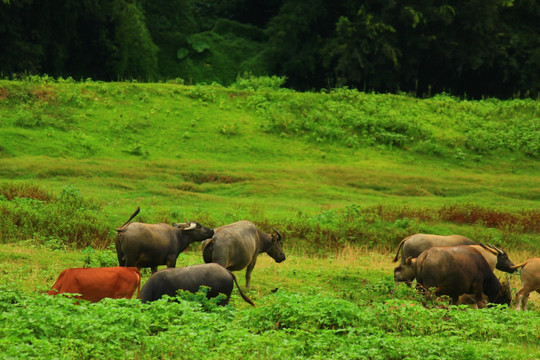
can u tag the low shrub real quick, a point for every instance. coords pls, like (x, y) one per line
(29, 213)
(283, 325)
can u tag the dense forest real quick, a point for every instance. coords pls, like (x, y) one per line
(422, 47)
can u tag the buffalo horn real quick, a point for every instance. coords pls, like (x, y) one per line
(278, 234)
(489, 248)
(497, 249)
(191, 226)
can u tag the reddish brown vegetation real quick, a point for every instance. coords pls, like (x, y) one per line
(15, 190)
(524, 220)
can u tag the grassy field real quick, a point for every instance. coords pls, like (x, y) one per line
(343, 175)
(341, 306)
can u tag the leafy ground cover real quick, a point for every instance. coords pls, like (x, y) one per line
(345, 306)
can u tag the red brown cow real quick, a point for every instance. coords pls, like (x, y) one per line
(94, 284)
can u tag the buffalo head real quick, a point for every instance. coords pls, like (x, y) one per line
(503, 262)
(275, 250)
(194, 231)
(406, 272)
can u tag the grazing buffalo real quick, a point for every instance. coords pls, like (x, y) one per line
(94, 284)
(191, 278)
(150, 245)
(414, 245)
(530, 281)
(455, 271)
(236, 246)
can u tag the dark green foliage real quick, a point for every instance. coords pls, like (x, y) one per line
(420, 47)
(219, 55)
(104, 40)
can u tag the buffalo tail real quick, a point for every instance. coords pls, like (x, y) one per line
(246, 299)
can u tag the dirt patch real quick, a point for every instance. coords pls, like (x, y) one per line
(3, 94)
(44, 94)
(412, 190)
(202, 178)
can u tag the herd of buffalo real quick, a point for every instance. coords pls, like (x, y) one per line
(454, 265)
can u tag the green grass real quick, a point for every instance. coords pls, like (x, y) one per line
(275, 156)
(342, 174)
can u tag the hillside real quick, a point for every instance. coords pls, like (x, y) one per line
(343, 175)
(254, 150)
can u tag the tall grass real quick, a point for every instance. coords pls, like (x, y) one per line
(70, 220)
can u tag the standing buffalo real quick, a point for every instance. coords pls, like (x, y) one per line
(191, 278)
(150, 245)
(94, 284)
(455, 271)
(414, 245)
(530, 281)
(236, 246)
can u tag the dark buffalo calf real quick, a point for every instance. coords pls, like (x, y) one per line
(191, 278)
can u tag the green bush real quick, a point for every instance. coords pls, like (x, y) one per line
(74, 221)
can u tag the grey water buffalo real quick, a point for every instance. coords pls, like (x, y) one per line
(236, 246)
(414, 245)
(455, 271)
(191, 278)
(530, 281)
(150, 245)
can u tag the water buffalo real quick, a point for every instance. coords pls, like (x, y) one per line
(94, 284)
(496, 259)
(414, 245)
(191, 278)
(236, 246)
(455, 271)
(530, 281)
(150, 245)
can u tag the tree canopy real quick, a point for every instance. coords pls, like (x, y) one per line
(421, 47)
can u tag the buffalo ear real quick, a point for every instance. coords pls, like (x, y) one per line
(409, 260)
(276, 236)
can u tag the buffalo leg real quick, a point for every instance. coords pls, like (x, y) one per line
(120, 255)
(249, 269)
(154, 269)
(171, 261)
(522, 297)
